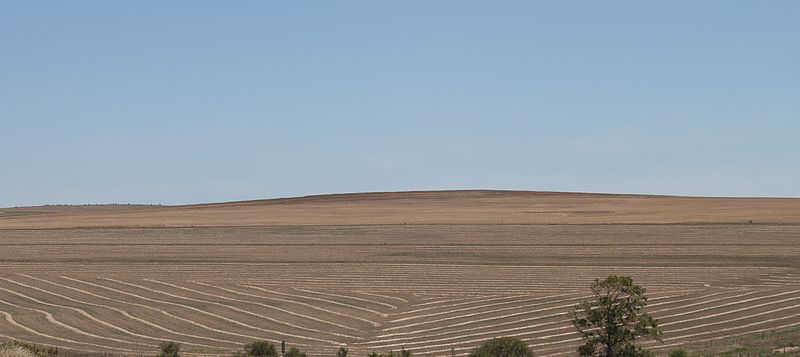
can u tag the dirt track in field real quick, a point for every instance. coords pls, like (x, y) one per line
(431, 271)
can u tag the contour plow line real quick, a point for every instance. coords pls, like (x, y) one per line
(793, 307)
(319, 299)
(488, 319)
(450, 306)
(491, 305)
(128, 315)
(80, 311)
(666, 339)
(393, 307)
(209, 328)
(14, 323)
(293, 302)
(731, 304)
(793, 324)
(382, 296)
(497, 332)
(54, 321)
(439, 300)
(479, 334)
(697, 298)
(266, 306)
(407, 340)
(222, 317)
(476, 314)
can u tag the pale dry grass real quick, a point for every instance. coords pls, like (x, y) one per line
(15, 351)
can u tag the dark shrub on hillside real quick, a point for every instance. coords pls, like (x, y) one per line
(169, 349)
(502, 347)
(294, 352)
(260, 349)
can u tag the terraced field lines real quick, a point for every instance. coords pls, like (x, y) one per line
(143, 321)
(279, 333)
(79, 311)
(450, 306)
(349, 297)
(293, 302)
(258, 315)
(382, 296)
(325, 301)
(565, 325)
(10, 320)
(249, 337)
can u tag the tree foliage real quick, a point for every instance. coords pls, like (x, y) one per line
(169, 349)
(342, 352)
(611, 323)
(502, 347)
(294, 352)
(260, 349)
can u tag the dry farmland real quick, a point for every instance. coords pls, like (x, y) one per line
(430, 271)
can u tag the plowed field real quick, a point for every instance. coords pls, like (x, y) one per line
(428, 271)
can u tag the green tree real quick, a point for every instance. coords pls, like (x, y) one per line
(294, 352)
(260, 349)
(502, 347)
(342, 352)
(169, 349)
(611, 323)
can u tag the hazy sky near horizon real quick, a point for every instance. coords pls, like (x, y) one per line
(198, 101)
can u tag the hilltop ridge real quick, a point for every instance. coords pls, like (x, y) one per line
(420, 207)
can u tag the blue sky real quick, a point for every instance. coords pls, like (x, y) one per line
(198, 101)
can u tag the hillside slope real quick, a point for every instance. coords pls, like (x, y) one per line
(421, 207)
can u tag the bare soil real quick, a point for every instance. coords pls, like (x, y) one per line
(431, 271)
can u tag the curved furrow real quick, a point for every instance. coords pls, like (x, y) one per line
(729, 304)
(393, 307)
(790, 308)
(79, 311)
(406, 340)
(250, 337)
(373, 323)
(697, 298)
(771, 328)
(127, 314)
(514, 299)
(566, 326)
(470, 322)
(120, 311)
(479, 334)
(488, 305)
(382, 296)
(480, 313)
(10, 320)
(319, 299)
(67, 327)
(262, 305)
(494, 311)
(439, 300)
(222, 317)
